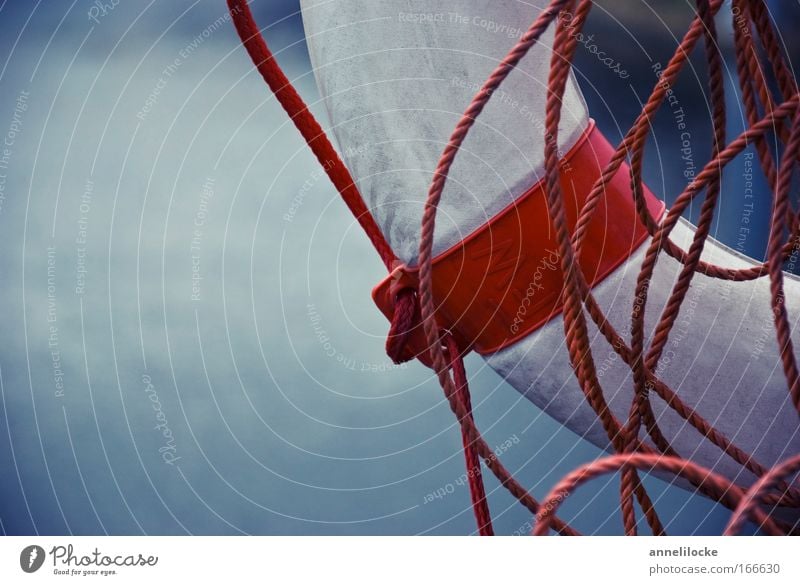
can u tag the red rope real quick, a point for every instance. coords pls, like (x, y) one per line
(576, 291)
(308, 126)
(725, 492)
(479, 504)
(748, 505)
(415, 308)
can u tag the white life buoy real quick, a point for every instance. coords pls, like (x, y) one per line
(396, 77)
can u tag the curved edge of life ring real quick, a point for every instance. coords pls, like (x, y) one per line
(504, 280)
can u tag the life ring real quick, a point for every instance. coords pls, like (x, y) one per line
(395, 83)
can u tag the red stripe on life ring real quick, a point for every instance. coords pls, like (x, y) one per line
(504, 280)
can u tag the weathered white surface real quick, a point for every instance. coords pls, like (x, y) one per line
(721, 358)
(394, 90)
(396, 77)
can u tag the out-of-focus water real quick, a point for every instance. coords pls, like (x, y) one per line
(188, 341)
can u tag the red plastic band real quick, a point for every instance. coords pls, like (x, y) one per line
(504, 280)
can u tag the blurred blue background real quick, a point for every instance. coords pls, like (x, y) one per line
(188, 341)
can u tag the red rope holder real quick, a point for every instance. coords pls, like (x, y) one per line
(412, 306)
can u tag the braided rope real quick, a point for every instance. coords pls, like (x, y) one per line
(577, 293)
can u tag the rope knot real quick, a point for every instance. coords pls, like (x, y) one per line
(405, 317)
